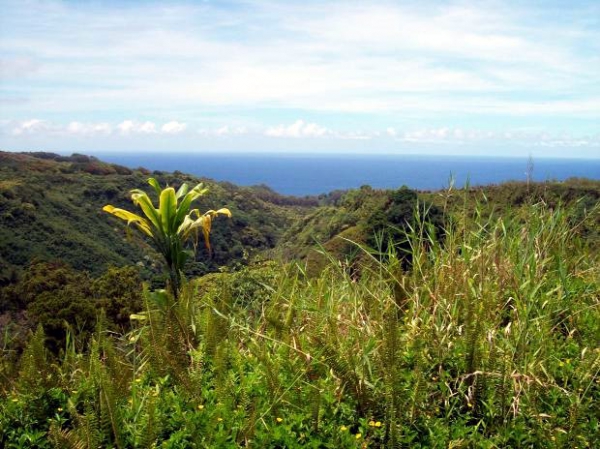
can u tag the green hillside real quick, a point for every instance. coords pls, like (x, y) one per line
(51, 209)
(464, 318)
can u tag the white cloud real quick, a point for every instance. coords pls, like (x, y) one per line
(222, 131)
(321, 56)
(36, 126)
(126, 127)
(173, 127)
(76, 128)
(446, 135)
(32, 126)
(351, 64)
(44, 127)
(133, 127)
(297, 129)
(79, 128)
(228, 131)
(355, 135)
(147, 128)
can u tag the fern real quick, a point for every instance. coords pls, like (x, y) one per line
(150, 430)
(35, 371)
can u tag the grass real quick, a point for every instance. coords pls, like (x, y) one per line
(491, 339)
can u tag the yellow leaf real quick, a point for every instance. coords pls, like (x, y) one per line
(224, 211)
(129, 217)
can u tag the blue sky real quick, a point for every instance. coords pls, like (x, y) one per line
(480, 77)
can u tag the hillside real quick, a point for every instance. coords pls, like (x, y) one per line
(51, 204)
(51, 209)
(463, 318)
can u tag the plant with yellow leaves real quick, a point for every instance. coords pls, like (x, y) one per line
(171, 224)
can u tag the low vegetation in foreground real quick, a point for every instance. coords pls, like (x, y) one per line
(484, 333)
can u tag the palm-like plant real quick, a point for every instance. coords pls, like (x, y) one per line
(171, 224)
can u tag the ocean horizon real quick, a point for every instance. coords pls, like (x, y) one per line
(313, 174)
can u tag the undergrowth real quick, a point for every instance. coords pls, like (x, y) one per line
(490, 338)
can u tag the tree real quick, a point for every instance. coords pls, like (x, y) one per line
(402, 212)
(171, 224)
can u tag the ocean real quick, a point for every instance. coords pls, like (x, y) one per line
(315, 174)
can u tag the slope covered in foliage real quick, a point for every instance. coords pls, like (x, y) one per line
(51, 209)
(373, 326)
(489, 339)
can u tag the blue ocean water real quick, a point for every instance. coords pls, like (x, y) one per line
(314, 174)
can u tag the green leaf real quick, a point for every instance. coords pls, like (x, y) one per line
(154, 183)
(183, 190)
(183, 209)
(140, 198)
(168, 209)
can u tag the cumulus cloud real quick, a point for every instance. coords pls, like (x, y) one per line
(222, 131)
(173, 127)
(133, 127)
(44, 127)
(79, 128)
(298, 129)
(225, 131)
(32, 126)
(356, 135)
(126, 127)
(447, 135)
(147, 128)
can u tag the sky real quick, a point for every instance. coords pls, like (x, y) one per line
(495, 78)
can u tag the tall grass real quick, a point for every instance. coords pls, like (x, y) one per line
(489, 339)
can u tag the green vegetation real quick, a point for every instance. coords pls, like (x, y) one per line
(171, 224)
(464, 318)
(50, 204)
(362, 217)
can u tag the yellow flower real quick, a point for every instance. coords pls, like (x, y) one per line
(343, 428)
(219, 419)
(378, 424)
(372, 423)
(358, 436)
(200, 407)
(279, 419)
(59, 409)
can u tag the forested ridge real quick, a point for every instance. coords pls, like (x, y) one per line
(51, 208)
